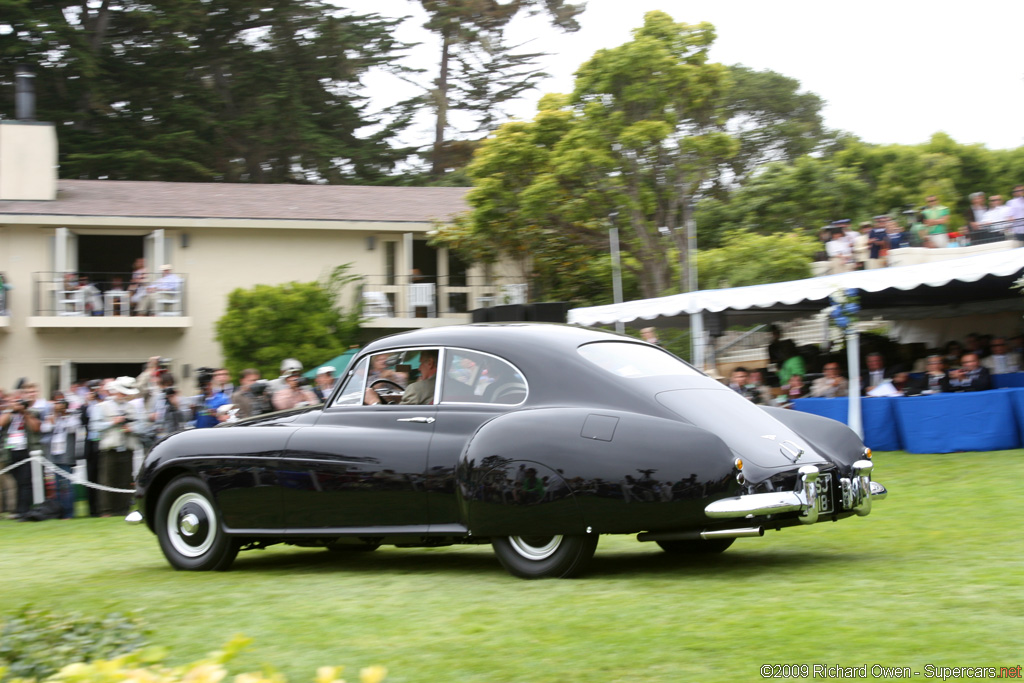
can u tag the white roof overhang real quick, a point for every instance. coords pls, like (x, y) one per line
(946, 288)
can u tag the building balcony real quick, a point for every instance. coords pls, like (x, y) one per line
(108, 301)
(391, 301)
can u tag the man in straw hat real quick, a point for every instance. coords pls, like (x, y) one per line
(116, 420)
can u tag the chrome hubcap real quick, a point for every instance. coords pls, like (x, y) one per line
(191, 525)
(535, 548)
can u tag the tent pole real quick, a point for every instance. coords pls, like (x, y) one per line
(697, 339)
(613, 239)
(853, 363)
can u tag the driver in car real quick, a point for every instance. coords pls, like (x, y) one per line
(421, 392)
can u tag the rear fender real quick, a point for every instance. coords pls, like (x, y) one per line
(562, 470)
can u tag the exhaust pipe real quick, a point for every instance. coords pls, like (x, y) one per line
(744, 532)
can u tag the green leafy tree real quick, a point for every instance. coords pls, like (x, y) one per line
(807, 193)
(629, 147)
(240, 91)
(771, 120)
(747, 258)
(478, 72)
(302, 320)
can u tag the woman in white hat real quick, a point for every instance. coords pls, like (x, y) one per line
(116, 422)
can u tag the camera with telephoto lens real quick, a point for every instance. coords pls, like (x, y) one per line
(259, 387)
(204, 376)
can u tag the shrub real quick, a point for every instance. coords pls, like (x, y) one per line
(144, 666)
(37, 643)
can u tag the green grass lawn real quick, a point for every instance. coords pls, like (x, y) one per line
(934, 575)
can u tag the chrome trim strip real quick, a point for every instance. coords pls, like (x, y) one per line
(755, 504)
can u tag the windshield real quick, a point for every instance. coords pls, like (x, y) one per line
(633, 361)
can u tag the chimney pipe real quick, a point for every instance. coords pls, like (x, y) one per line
(24, 93)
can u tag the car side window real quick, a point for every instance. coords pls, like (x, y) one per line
(352, 393)
(474, 377)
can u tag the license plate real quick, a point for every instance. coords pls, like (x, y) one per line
(825, 492)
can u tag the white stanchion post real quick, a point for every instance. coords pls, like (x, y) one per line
(853, 417)
(38, 479)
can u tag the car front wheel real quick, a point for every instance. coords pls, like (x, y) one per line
(696, 547)
(188, 527)
(540, 557)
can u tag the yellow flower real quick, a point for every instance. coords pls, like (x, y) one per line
(373, 674)
(328, 674)
(205, 673)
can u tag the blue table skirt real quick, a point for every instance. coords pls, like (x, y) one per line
(940, 423)
(880, 432)
(1012, 379)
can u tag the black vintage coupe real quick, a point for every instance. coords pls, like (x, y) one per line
(534, 438)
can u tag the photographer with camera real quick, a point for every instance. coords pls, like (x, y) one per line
(149, 381)
(296, 394)
(168, 415)
(116, 420)
(205, 404)
(251, 397)
(60, 429)
(19, 436)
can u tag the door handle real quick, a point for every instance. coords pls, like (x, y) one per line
(424, 420)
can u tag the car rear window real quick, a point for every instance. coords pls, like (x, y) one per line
(634, 361)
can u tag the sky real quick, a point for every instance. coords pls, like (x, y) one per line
(893, 71)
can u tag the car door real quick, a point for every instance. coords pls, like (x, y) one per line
(476, 387)
(360, 467)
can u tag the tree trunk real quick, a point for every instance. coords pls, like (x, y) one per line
(441, 97)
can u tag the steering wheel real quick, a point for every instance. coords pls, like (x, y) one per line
(397, 387)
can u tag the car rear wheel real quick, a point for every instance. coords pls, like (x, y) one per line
(188, 527)
(697, 547)
(540, 557)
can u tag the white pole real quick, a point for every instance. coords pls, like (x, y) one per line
(853, 418)
(613, 238)
(38, 482)
(697, 339)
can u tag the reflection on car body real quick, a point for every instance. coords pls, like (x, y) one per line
(536, 439)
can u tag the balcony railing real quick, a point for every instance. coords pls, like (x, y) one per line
(108, 295)
(417, 296)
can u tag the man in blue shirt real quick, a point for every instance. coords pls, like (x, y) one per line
(878, 239)
(204, 406)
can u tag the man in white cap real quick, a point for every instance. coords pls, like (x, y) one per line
(115, 420)
(324, 382)
(289, 366)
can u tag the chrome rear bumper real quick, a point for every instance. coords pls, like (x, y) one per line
(807, 499)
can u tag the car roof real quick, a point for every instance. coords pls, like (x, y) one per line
(503, 339)
(545, 352)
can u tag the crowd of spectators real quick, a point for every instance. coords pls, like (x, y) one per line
(112, 423)
(78, 294)
(929, 226)
(956, 367)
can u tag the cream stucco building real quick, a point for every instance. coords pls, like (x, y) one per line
(217, 237)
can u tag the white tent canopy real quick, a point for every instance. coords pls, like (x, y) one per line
(961, 286)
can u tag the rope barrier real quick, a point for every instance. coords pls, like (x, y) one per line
(38, 457)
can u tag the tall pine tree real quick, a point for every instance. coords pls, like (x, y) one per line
(239, 91)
